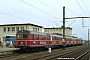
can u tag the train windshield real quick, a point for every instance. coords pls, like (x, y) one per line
(22, 36)
(19, 36)
(25, 36)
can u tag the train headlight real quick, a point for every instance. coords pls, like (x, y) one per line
(34, 42)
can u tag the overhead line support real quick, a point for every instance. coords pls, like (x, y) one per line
(64, 39)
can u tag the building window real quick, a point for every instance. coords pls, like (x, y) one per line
(57, 29)
(17, 28)
(8, 29)
(38, 29)
(60, 29)
(4, 29)
(22, 28)
(51, 29)
(45, 30)
(33, 28)
(13, 28)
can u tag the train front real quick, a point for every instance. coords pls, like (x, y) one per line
(21, 39)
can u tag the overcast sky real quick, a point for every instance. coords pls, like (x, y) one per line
(47, 13)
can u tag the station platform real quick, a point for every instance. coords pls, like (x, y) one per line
(4, 49)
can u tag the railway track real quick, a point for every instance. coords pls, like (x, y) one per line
(44, 55)
(75, 55)
(84, 56)
(54, 56)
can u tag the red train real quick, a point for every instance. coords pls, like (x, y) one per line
(35, 40)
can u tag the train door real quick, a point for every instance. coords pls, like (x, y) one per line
(36, 38)
(51, 38)
(25, 37)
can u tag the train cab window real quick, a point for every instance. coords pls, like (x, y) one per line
(25, 36)
(19, 36)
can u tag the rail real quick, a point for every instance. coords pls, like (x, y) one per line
(82, 55)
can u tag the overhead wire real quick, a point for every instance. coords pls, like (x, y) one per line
(40, 10)
(21, 12)
(78, 14)
(73, 11)
(11, 8)
(56, 23)
(59, 12)
(71, 23)
(81, 7)
(74, 20)
(14, 16)
(80, 31)
(85, 7)
(49, 6)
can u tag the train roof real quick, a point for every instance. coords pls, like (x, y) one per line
(27, 32)
(55, 35)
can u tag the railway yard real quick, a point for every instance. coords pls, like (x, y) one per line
(81, 52)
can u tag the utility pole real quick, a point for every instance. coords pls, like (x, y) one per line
(88, 36)
(64, 28)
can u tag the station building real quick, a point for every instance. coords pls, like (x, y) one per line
(59, 30)
(11, 29)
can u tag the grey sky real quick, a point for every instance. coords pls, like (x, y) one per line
(45, 12)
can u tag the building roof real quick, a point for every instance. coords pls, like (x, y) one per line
(58, 28)
(21, 24)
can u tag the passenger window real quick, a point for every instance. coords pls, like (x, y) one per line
(25, 36)
(36, 37)
(43, 37)
(32, 37)
(53, 38)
